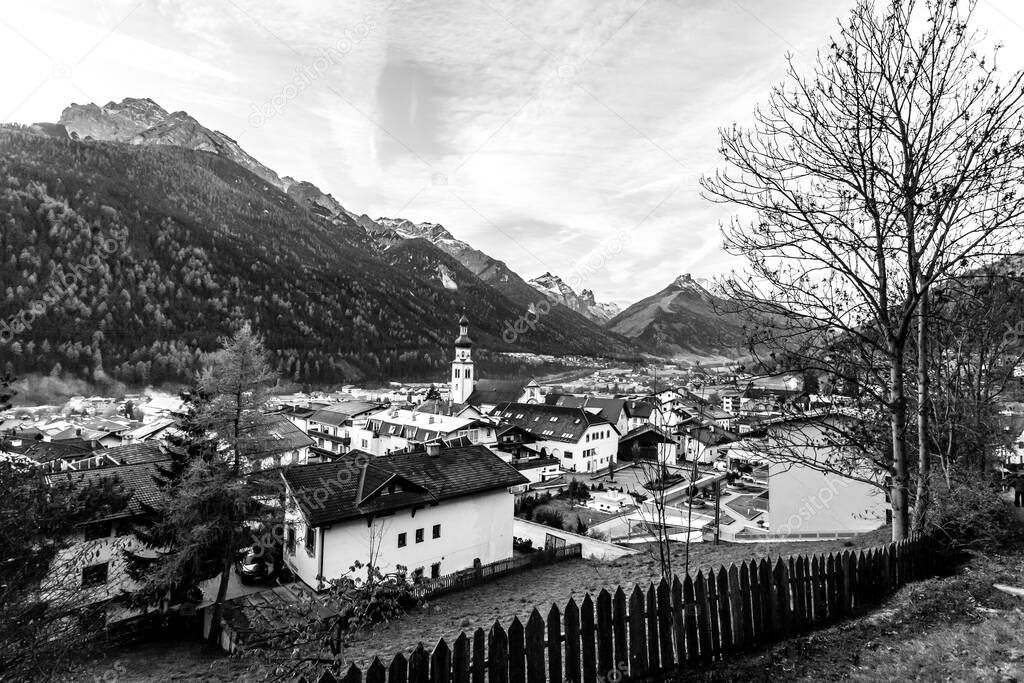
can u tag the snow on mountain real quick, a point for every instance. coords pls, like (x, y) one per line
(583, 303)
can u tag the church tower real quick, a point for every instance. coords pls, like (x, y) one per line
(463, 372)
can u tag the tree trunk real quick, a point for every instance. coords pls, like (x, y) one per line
(924, 463)
(901, 478)
(218, 605)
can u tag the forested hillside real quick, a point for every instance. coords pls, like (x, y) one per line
(132, 260)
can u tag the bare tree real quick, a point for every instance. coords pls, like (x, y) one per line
(889, 168)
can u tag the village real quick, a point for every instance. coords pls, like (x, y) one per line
(392, 480)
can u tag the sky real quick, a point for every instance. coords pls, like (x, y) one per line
(564, 137)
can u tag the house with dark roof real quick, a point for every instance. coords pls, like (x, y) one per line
(331, 427)
(91, 568)
(489, 393)
(268, 441)
(583, 441)
(434, 512)
(392, 430)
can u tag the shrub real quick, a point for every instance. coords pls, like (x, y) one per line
(548, 516)
(968, 510)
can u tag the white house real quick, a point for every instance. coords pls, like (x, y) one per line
(392, 430)
(581, 440)
(433, 512)
(91, 569)
(805, 501)
(269, 441)
(331, 427)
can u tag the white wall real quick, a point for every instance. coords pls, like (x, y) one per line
(803, 500)
(605, 447)
(471, 527)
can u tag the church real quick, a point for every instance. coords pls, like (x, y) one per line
(467, 388)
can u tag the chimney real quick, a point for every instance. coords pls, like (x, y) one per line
(430, 420)
(433, 449)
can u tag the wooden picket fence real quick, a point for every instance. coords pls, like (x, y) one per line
(668, 628)
(495, 570)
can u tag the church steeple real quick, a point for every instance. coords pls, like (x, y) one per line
(463, 371)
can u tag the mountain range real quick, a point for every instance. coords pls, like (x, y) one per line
(211, 236)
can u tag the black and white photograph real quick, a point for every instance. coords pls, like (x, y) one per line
(511, 341)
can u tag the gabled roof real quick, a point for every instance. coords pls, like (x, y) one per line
(136, 480)
(555, 423)
(330, 417)
(647, 433)
(639, 409)
(358, 484)
(45, 451)
(134, 453)
(266, 435)
(495, 391)
(609, 408)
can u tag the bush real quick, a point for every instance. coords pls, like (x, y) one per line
(968, 510)
(548, 516)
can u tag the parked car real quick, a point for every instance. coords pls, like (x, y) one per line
(254, 567)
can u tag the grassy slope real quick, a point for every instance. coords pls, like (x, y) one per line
(479, 607)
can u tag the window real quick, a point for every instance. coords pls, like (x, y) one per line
(456, 373)
(435, 570)
(437, 531)
(98, 530)
(95, 575)
(469, 373)
(568, 454)
(419, 535)
(401, 540)
(311, 541)
(417, 573)
(289, 539)
(553, 418)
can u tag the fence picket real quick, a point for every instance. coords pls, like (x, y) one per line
(497, 662)
(554, 629)
(535, 648)
(739, 591)
(620, 625)
(479, 673)
(376, 673)
(353, 675)
(398, 671)
(766, 583)
(605, 639)
(588, 633)
(516, 652)
(724, 610)
(782, 614)
(665, 631)
(700, 592)
(653, 632)
(573, 662)
(637, 635)
(419, 665)
(440, 663)
(461, 664)
(692, 629)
